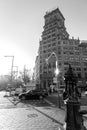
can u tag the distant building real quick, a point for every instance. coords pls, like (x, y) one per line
(56, 39)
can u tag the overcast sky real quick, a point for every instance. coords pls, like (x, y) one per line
(21, 26)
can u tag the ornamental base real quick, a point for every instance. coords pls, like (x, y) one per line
(73, 118)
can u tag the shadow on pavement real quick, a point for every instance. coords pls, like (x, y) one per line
(36, 103)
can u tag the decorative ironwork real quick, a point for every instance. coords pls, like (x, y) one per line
(71, 83)
(73, 118)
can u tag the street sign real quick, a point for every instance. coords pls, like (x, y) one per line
(55, 80)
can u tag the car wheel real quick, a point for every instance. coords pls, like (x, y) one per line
(23, 97)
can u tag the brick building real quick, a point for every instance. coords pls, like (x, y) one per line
(55, 38)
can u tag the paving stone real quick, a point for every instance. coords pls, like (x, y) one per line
(29, 117)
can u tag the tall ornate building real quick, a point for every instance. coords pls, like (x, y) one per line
(56, 39)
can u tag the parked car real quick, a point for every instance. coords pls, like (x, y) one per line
(43, 91)
(18, 91)
(31, 94)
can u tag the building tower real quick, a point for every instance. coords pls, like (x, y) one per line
(56, 39)
(54, 33)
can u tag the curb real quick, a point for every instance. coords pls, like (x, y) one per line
(54, 120)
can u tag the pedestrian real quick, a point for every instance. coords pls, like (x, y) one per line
(51, 87)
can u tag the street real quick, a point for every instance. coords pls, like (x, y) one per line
(31, 115)
(15, 115)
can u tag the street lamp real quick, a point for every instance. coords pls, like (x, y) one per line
(11, 65)
(16, 75)
(16, 70)
(56, 74)
(11, 69)
(73, 116)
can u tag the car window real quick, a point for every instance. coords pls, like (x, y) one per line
(28, 91)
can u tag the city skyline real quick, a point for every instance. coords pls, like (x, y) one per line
(21, 26)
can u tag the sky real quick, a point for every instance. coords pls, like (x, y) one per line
(21, 27)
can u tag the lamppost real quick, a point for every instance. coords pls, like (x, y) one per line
(73, 119)
(56, 75)
(11, 68)
(11, 65)
(15, 76)
(16, 71)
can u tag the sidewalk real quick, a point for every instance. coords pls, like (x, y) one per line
(55, 114)
(59, 114)
(24, 118)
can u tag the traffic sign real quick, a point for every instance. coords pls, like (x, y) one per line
(55, 80)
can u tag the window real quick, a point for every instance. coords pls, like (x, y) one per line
(60, 63)
(44, 38)
(49, 66)
(54, 44)
(64, 42)
(54, 49)
(41, 68)
(45, 66)
(40, 57)
(65, 63)
(54, 64)
(49, 36)
(53, 35)
(53, 39)
(85, 64)
(59, 58)
(45, 47)
(71, 53)
(76, 48)
(59, 42)
(78, 69)
(70, 48)
(59, 52)
(49, 50)
(49, 72)
(65, 52)
(40, 61)
(77, 53)
(44, 51)
(59, 47)
(49, 54)
(79, 75)
(85, 69)
(71, 42)
(76, 63)
(71, 58)
(49, 45)
(73, 69)
(65, 48)
(86, 75)
(65, 68)
(84, 58)
(45, 72)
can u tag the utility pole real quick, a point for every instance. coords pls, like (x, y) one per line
(16, 71)
(25, 74)
(11, 66)
(11, 71)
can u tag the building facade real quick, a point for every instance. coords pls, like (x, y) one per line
(55, 38)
